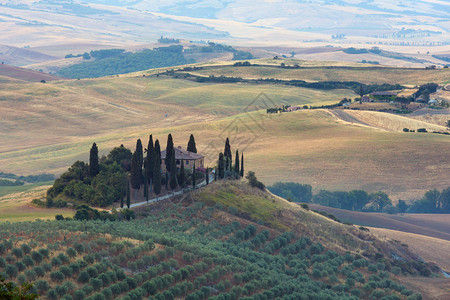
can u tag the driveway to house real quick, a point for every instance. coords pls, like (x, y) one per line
(156, 199)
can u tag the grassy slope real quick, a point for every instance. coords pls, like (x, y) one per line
(281, 214)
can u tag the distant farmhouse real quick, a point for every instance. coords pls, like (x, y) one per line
(184, 156)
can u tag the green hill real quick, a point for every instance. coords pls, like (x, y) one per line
(211, 248)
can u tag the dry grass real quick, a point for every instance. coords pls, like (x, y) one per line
(430, 288)
(385, 121)
(429, 248)
(404, 76)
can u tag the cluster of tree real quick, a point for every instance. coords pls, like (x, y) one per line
(425, 90)
(115, 61)
(378, 51)
(373, 62)
(85, 212)
(220, 79)
(275, 110)
(356, 200)
(242, 64)
(6, 182)
(212, 47)
(99, 183)
(166, 40)
(225, 168)
(284, 66)
(292, 191)
(351, 85)
(29, 178)
(240, 55)
(433, 201)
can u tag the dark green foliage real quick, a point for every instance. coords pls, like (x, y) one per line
(253, 181)
(170, 152)
(6, 182)
(76, 185)
(128, 195)
(433, 201)
(193, 175)
(29, 178)
(94, 167)
(157, 176)
(150, 159)
(227, 150)
(136, 171)
(125, 62)
(191, 147)
(241, 55)
(236, 165)
(221, 167)
(9, 291)
(140, 156)
(181, 177)
(242, 165)
(25, 248)
(292, 191)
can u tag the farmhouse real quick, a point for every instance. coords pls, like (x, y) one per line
(184, 156)
(365, 99)
(293, 108)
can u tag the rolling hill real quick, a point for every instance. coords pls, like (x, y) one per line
(16, 73)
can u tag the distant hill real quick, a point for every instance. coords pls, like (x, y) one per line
(21, 56)
(25, 74)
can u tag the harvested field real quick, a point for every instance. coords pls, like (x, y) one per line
(384, 121)
(437, 226)
(25, 74)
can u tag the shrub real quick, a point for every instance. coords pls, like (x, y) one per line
(57, 276)
(37, 257)
(254, 182)
(83, 277)
(11, 270)
(79, 295)
(42, 286)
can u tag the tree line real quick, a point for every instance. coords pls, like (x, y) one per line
(433, 201)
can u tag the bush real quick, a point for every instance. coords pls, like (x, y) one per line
(254, 182)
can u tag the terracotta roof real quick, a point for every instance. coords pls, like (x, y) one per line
(183, 154)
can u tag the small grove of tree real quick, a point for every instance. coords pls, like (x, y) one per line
(433, 201)
(191, 144)
(292, 191)
(356, 200)
(94, 168)
(254, 182)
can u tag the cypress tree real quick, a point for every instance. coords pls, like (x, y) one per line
(157, 153)
(236, 165)
(157, 173)
(94, 168)
(128, 195)
(124, 193)
(169, 152)
(150, 159)
(207, 175)
(173, 172)
(242, 165)
(191, 144)
(145, 188)
(215, 174)
(227, 151)
(181, 179)
(135, 172)
(193, 175)
(221, 166)
(166, 181)
(140, 158)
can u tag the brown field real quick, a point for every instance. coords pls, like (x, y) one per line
(25, 74)
(432, 225)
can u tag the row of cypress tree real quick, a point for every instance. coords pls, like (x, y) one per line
(225, 164)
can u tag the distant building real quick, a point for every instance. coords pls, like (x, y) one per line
(293, 108)
(365, 99)
(184, 156)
